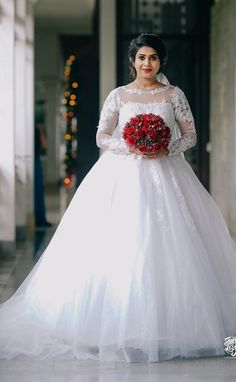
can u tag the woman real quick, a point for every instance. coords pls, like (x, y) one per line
(141, 267)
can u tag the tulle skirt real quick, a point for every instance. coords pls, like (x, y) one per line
(141, 269)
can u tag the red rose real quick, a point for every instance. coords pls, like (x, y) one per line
(143, 148)
(153, 134)
(165, 143)
(134, 121)
(131, 140)
(149, 117)
(140, 133)
(130, 130)
(147, 132)
(157, 147)
(145, 124)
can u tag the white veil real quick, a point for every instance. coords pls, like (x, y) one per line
(176, 132)
(162, 78)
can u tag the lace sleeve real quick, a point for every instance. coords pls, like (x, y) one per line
(185, 121)
(107, 124)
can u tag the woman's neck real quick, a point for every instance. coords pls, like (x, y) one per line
(146, 83)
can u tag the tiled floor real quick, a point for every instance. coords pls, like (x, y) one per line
(214, 370)
(13, 271)
(14, 267)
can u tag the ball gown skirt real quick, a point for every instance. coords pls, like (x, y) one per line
(140, 269)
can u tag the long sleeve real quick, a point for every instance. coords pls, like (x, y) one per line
(107, 124)
(185, 121)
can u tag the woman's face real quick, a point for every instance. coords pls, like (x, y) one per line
(147, 63)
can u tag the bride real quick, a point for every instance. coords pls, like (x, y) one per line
(141, 267)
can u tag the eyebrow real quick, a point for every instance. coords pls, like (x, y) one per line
(143, 54)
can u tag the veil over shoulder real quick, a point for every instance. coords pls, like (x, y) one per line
(162, 78)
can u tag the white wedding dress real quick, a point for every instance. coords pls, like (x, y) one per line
(142, 267)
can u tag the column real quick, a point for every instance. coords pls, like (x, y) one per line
(107, 44)
(29, 108)
(223, 110)
(20, 114)
(7, 170)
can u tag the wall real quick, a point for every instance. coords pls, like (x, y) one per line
(107, 36)
(7, 160)
(223, 118)
(16, 117)
(48, 62)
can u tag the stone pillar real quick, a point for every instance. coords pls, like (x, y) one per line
(223, 110)
(7, 156)
(20, 113)
(24, 113)
(107, 43)
(29, 107)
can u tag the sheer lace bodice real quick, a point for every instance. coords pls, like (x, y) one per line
(127, 101)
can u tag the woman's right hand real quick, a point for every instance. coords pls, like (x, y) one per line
(135, 151)
(152, 155)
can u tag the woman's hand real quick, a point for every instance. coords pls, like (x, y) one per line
(135, 151)
(162, 152)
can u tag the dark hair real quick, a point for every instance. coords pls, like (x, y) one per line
(147, 39)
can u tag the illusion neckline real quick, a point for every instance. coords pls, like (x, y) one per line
(140, 90)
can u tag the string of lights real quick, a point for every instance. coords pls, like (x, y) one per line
(70, 103)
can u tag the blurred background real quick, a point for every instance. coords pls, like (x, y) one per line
(59, 60)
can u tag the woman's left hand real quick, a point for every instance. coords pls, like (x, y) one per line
(158, 154)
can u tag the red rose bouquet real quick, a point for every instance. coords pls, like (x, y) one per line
(147, 133)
